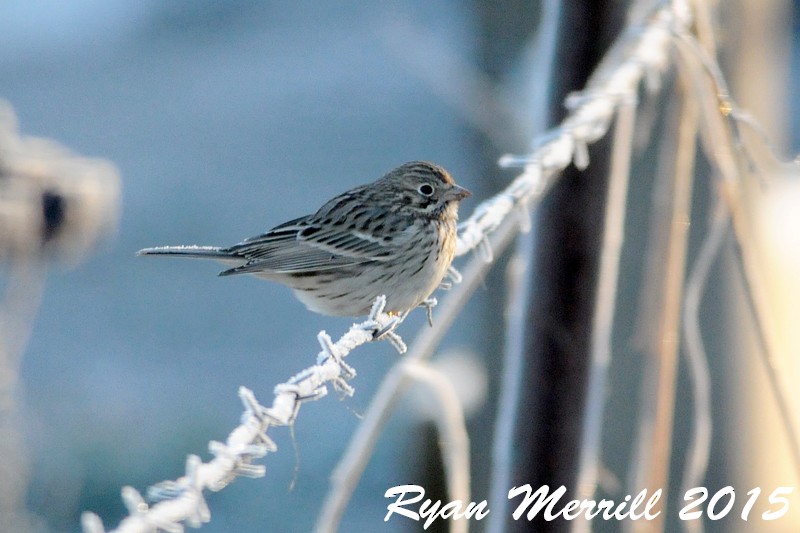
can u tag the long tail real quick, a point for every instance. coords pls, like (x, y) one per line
(203, 252)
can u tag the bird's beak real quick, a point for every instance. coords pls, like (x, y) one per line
(456, 193)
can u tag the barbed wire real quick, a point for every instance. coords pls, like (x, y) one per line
(357, 455)
(642, 54)
(182, 500)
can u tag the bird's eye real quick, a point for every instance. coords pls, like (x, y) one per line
(425, 189)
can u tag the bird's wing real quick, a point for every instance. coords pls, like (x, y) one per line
(266, 243)
(301, 246)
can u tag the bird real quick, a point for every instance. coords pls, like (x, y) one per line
(394, 237)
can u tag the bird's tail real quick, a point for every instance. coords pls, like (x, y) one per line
(202, 252)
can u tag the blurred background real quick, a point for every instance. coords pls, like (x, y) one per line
(225, 119)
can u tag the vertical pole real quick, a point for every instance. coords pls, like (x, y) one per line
(564, 278)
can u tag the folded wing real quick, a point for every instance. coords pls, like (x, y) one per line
(303, 246)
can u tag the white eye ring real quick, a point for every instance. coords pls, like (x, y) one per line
(425, 189)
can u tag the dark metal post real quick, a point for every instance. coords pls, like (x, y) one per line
(568, 236)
